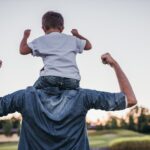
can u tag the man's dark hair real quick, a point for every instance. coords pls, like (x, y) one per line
(52, 19)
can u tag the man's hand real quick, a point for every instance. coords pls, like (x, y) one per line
(107, 59)
(75, 32)
(0, 63)
(124, 83)
(27, 33)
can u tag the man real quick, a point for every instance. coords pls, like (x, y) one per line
(54, 119)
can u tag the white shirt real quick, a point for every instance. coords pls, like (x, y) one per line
(58, 52)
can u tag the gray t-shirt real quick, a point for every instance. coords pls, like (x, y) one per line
(58, 52)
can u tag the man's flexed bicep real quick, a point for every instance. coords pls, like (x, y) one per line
(12, 103)
(104, 100)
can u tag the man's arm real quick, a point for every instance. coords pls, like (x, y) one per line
(0, 63)
(24, 49)
(11, 102)
(88, 45)
(124, 83)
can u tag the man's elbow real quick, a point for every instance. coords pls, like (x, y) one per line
(24, 50)
(131, 102)
(88, 47)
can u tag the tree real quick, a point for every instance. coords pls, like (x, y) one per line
(131, 125)
(7, 127)
(123, 124)
(144, 121)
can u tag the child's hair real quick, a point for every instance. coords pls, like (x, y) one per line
(52, 19)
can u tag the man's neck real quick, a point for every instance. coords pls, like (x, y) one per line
(52, 30)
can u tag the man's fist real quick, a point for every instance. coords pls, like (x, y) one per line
(74, 32)
(27, 33)
(0, 63)
(108, 59)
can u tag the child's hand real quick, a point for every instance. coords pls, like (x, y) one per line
(0, 63)
(74, 32)
(27, 33)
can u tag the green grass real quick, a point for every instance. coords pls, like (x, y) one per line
(8, 146)
(97, 139)
(133, 143)
(103, 138)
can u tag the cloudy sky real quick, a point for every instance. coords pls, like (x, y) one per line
(121, 27)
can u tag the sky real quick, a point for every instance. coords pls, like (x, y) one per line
(120, 27)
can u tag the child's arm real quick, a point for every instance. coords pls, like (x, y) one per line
(24, 49)
(88, 45)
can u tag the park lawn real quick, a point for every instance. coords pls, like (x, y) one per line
(102, 138)
(98, 139)
(9, 146)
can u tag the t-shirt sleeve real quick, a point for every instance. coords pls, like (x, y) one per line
(34, 47)
(12, 103)
(80, 45)
(104, 100)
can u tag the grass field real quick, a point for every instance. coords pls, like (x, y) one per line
(9, 146)
(103, 138)
(97, 138)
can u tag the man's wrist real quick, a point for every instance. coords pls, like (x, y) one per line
(114, 64)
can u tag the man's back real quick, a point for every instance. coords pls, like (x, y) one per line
(54, 119)
(53, 122)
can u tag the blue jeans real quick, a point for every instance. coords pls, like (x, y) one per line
(54, 81)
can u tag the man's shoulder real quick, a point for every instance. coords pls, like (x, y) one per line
(26, 91)
(30, 89)
(86, 91)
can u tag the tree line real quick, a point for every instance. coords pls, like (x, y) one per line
(8, 127)
(137, 119)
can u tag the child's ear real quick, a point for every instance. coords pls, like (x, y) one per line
(43, 28)
(61, 29)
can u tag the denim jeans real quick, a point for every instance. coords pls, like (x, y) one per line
(54, 81)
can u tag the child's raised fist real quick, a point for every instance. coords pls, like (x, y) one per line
(74, 32)
(27, 33)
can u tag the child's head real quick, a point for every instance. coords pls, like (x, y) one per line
(52, 20)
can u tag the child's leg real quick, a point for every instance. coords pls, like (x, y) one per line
(54, 81)
(40, 83)
(70, 84)
(47, 81)
(62, 83)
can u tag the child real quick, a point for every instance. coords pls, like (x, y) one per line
(58, 52)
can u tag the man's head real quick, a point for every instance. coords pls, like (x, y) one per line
(52, 20)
